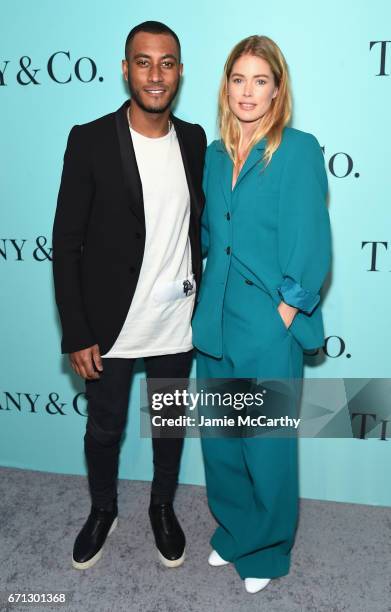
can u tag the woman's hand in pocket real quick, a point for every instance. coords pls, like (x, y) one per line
(287, 313)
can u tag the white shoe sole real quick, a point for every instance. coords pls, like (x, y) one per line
(255, 589)
(95, 558)
(169, 562)
(220, 563)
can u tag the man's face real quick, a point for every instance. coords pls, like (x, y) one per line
(152, 71)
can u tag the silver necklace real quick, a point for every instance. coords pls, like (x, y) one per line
(130, 123)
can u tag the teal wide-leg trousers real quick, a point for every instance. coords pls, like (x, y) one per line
(252, 482)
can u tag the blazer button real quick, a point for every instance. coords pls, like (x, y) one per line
(138, 235)
(228, 250)
(248, 282)
(132, 269)
(228, 216)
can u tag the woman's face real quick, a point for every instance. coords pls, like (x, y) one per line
(251, 88)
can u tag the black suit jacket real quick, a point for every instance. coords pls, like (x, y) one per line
(99, 226)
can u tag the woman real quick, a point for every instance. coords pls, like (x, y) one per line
(266, 233)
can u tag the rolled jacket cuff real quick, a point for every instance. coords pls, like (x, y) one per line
(293, 294)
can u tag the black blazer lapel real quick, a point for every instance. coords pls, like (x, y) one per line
(129, 163)
(194, 200)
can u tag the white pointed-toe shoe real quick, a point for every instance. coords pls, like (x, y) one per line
(253, 585)
(215, 559)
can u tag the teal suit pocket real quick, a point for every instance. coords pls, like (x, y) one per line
(308, 330)
(280, 321)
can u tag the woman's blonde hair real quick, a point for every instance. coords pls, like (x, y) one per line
(279, 112)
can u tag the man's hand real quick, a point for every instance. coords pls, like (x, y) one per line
(83, 362)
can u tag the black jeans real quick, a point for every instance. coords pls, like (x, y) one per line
(108, 399)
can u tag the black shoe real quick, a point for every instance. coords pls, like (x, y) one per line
(90, 541)
(169, 537)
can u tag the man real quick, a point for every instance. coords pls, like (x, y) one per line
(126, 264)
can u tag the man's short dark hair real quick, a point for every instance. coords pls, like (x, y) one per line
(152, 27)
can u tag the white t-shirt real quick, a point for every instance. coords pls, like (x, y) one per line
(158, 321)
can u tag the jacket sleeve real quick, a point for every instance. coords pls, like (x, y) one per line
(69, 230)
(204, 217)
(304, 240)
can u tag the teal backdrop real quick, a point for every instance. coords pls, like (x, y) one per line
(339, 56)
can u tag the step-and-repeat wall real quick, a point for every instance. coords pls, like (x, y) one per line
(60, 65)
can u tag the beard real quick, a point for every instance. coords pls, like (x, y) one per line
(145, 107)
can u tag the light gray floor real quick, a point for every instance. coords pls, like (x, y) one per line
(341, 559)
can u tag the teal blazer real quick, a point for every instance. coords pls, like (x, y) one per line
(273, 227)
